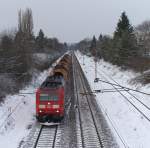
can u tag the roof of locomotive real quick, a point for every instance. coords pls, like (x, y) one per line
(54, 81)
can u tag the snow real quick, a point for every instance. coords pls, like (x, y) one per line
(17, 115)
(41, 57)
(130, 128)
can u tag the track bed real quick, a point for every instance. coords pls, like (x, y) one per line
(84, 125)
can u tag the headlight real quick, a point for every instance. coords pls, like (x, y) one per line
(55, 106)
(42, 106)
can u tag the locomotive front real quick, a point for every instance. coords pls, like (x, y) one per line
(50, 100)
(50, 97)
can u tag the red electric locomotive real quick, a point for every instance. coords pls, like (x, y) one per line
(50, 99)
(50, 96)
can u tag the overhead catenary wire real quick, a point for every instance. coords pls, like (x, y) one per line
(102, 91)
(123, 86)
(142, 113)
(129, 92)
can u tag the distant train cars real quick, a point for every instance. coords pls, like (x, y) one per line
(50, 96)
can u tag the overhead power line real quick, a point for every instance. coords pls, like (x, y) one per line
(123, 87)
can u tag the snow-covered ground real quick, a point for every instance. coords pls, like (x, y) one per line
(129, 126)
(17, 115)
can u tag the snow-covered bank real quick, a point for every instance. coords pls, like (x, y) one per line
(130, 128)
(17, 114)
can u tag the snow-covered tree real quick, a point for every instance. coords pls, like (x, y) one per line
(125, 40)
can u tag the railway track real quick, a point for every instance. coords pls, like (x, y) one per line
(91, 131)
(44, 137)
(84, 125)
(139, 105)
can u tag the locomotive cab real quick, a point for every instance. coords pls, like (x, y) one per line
(50, 99)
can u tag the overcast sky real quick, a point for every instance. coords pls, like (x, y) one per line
(73, 20)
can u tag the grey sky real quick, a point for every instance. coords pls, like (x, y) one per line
(73, 20)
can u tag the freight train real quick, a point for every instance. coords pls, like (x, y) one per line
(50, 96)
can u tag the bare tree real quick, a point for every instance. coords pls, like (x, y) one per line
(20, 20)
(143, 36)
(25, 22)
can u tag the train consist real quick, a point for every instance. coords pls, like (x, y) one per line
(50, 96)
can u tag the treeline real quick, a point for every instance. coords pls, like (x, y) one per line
(129, 47)
(18, 53)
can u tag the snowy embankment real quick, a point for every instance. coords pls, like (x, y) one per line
(17, 113)
(130, 124)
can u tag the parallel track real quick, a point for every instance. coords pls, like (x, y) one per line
(89, 132)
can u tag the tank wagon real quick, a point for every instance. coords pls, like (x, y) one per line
(50, 96)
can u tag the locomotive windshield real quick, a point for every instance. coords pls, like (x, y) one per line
(53, 82)
(47, 97)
